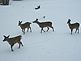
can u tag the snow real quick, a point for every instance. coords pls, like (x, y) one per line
(59, 45)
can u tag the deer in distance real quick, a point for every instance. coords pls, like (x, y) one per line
(24, 26)
(73, 26)
(44, 24)
(12, 41)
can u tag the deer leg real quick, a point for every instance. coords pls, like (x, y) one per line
(30, 29)
(71, 31)
(11, 47)
(47, 29)
(23, 31)
(27, 29)
(78, 30)
(52, 28)
(21, 43)
(43, 29)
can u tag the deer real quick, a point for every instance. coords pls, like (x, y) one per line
(12, 41)
(24, 26)
(73, 26)
(43, 25)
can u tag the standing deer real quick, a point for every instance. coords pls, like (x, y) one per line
(24, 26)
(73, 26)
(13, 40)
(44, 24)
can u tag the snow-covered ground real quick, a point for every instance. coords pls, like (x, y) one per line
(59, 45)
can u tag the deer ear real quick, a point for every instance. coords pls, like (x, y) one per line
(8, 36)
(36, 19)
(20, 21)
(4, 35)
(69, 19)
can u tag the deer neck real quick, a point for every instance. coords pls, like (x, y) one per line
(10, 41)
(69, 25)
(38, 22)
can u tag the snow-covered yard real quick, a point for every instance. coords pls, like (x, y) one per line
(59, 45)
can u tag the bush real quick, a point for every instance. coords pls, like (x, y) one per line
(4, 2)
(17, 0)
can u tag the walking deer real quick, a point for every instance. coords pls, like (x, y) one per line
(24, 26)
(13, 40)
(73, 26)
(44, 24)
